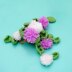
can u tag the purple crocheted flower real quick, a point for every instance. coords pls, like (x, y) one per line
(44, 21)
(46, 43)
(31, 35)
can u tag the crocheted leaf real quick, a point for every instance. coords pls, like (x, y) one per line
(35, 19)
(56, 40)
(37, 41)
(7, 39)
(22, 32)
(39, 49)
(26, 24)
(55, 55)
(43, 34)
(50, 36)
(51, 19)
(14, 42)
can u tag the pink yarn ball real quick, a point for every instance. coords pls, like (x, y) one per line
(30, 35)
(46, 43)
(44, 21)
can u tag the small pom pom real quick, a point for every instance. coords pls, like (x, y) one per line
(46, 59)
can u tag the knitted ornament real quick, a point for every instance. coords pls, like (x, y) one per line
(30, 35)
(35, 33)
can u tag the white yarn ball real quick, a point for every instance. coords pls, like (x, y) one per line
(46, 59)
(16, 35)
(36, 25)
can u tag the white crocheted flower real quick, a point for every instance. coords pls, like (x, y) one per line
(46, 59)
(36, 25)
(16, 35)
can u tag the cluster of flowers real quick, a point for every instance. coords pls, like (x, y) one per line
(35, 33)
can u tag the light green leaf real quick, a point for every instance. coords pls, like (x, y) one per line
(51, 19)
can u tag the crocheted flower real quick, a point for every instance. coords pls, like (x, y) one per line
(16, 35)
(31, 35)
(44, 21)
(46, 43)
(46, 59)
(36, 25)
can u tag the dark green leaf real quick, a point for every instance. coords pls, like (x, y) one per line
(26, 25)
(56, 40)
(40, 50)
(35, 19)
(51, 19)
(55, 55)
(7, 39)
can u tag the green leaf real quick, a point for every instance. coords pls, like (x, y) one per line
(26, 24)
(43, 34)
(56, 40)
(55, 55)
(21, 32)
(7, 39)
(51, 19)
(39, 49)
(50, 36)
(35, 19)
(38, 40)
(14, 42)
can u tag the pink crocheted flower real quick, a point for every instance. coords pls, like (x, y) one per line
(46, 43)
(30, 35)
(44, 21)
